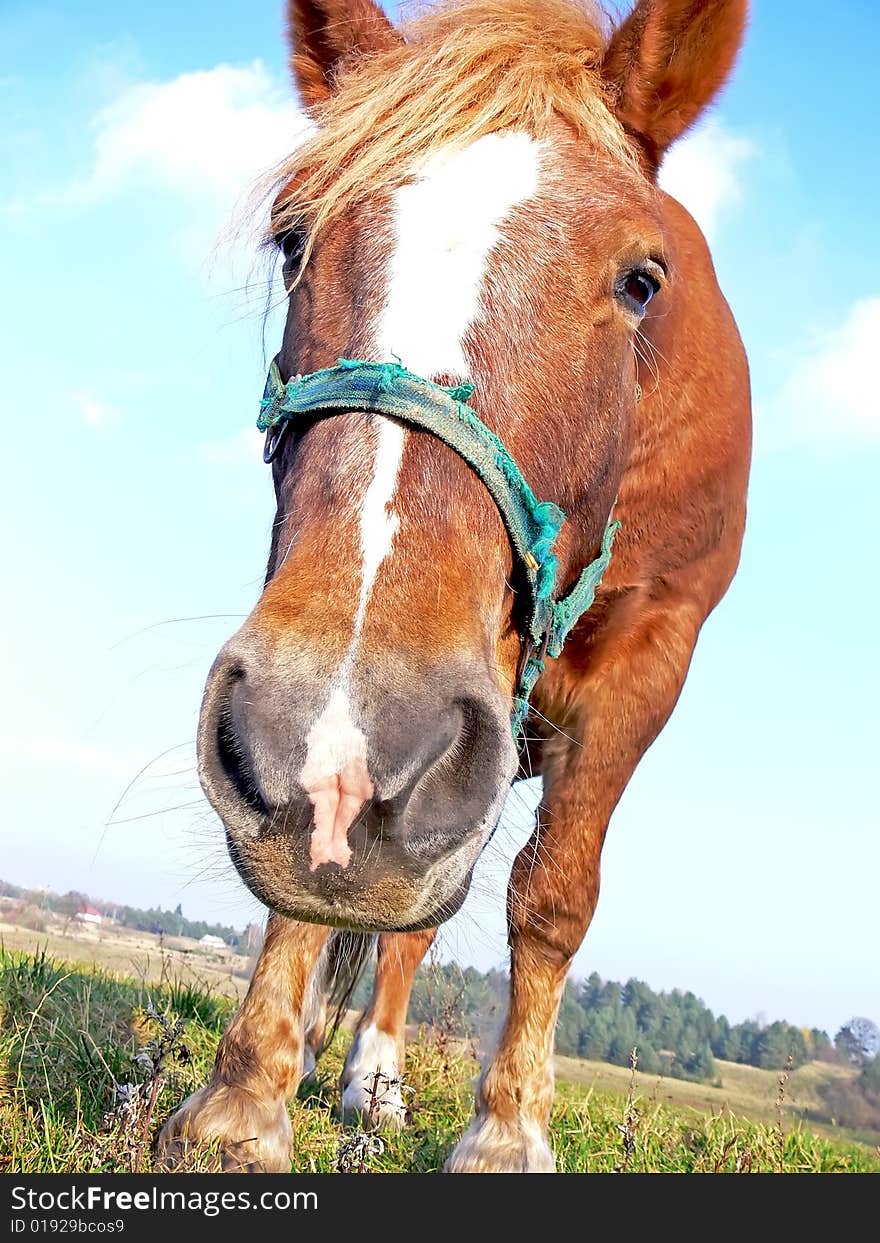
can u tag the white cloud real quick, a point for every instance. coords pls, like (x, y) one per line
(96, 413)
(829, 397)
(95, 760)
(207, 138)
(209, 133)
(65, 754)
(242, 449)
(703, 172)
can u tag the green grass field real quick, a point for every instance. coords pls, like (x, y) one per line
(79, 1091)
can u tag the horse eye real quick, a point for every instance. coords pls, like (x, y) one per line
(639, 287)
(292, 244)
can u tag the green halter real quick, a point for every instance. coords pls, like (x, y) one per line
(532, 525)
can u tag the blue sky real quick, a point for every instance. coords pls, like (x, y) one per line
(743, 862)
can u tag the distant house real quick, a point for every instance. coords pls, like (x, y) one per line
(88, 915)
(211, 942)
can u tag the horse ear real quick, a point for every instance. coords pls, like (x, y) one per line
(324, 32)
(667, 61)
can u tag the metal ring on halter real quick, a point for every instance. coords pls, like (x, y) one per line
(274, 437)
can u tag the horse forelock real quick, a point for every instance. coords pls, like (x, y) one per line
(467, 68)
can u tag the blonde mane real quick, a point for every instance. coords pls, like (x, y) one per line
(467, 68)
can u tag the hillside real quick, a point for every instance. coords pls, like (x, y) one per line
(143, 955)
(745, 1091)
(73, 1097)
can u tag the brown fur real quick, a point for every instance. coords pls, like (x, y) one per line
(324, 35)
(398, 957)
(667, 61)
(556, 364)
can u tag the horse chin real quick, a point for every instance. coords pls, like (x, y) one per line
(355, 898)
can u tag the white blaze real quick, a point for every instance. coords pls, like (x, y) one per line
(379, 522)
(446, 223)
(333, 741)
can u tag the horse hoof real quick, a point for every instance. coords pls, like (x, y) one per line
(225, 1128)
(492, 1147)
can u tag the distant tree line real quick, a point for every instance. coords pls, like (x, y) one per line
(168, 923)
(855, 1102)
(674, 1033)
(172, 924)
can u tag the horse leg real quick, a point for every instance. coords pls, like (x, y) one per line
(313, 1037)
(615, 709)
(331, 984)
(371, 1076)
(243, 1110)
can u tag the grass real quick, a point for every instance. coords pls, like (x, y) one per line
(92, 1063)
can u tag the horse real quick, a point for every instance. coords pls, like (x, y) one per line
(489, 301)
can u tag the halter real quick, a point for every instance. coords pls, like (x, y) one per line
(532, 525)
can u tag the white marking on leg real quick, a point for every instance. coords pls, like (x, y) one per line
(492, 1146)
(371, 1079)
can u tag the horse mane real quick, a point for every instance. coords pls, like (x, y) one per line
(465, 68)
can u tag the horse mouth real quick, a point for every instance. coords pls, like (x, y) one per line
(366, 812)
(362, 900)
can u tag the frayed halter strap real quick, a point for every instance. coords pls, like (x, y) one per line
(532, 525)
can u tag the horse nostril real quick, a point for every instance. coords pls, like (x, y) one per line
(234, 763)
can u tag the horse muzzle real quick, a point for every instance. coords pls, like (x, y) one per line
(360, 801)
